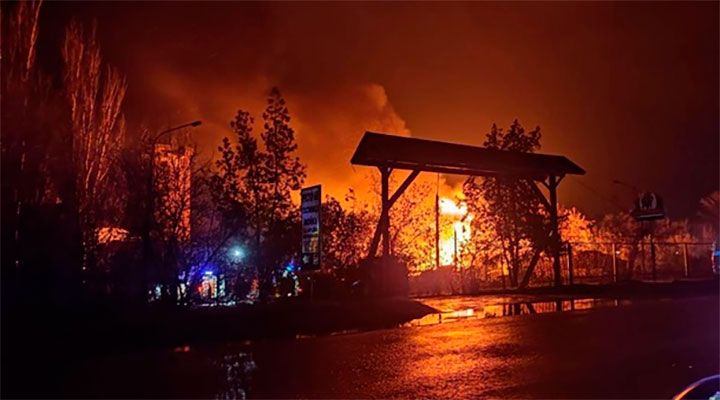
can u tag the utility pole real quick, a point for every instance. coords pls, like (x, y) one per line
(455, 240)
(437, 223)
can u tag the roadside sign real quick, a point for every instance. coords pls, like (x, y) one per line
(649, 206)
(310, 207)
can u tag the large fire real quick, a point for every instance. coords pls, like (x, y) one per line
(454, 229)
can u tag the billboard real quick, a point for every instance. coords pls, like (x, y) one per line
(311, 201)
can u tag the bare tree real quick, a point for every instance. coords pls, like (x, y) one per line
(32, 145)
(20, 36)
(95, 95)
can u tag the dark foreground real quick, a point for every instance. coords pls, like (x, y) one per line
(647, 349)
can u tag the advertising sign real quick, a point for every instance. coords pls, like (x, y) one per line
(311, 200)
(649, 206)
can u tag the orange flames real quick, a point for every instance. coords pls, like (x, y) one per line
(454, 227)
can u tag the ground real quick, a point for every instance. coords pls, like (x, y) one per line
(637, 349)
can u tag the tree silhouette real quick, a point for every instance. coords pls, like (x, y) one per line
(284, 171)
(255, 185)
(38, 237)
(346, 233)
(510, 204)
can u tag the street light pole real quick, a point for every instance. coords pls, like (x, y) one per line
(161, 134)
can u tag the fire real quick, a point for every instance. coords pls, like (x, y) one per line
(109, 234)
(449, 207)
(454, 229)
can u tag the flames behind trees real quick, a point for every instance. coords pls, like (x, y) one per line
(70, 174)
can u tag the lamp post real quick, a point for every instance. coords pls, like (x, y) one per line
(150, 206)
(163, 133)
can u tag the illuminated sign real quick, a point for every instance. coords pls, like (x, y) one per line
(310, 209)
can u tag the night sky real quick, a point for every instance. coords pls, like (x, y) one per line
(628, 91)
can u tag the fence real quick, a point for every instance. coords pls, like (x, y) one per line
(608, 262)
(582, 263)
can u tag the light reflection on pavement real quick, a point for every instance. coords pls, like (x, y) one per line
(648, 349)
(645, 350)
(465, 307)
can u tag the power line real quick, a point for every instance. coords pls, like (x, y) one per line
(599, 194)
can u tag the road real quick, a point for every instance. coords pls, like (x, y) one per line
(649, 349)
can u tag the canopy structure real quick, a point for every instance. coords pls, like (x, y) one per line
(382, 150)
(388, 152)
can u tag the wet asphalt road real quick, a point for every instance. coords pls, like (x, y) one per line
(646, 350)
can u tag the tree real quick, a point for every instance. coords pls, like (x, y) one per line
(483, 247)
(40, 244)
(576, 228)
(22, 150)
(709, 211)
(255, 185)
(98, 126)
(511, 205)
(176, 182)
(284, 171)
(622, 228)
(412, 216)
(346, 232)
(412, 228)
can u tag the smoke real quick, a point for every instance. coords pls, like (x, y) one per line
(449, 70)
(329, 126)
(328, 122)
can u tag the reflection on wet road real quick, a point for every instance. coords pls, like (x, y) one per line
(649, 349)
(455, 308)
(646, 350)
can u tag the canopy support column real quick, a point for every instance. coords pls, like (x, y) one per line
(385, 214)
(555, 244)
(383, 226)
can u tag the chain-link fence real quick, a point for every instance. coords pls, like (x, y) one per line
(581, 263)
(608, 262)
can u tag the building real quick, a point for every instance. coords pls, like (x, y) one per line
(172, 178)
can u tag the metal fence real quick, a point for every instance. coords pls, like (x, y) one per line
(608, 262)
(581, 263)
